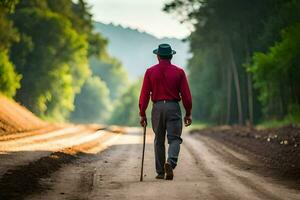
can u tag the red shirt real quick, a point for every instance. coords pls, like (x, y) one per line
(165, 81)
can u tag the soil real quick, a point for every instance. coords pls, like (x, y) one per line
(15, 118)
(278, 148)
(82, 162)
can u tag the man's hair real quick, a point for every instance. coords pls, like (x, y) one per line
(168, 57)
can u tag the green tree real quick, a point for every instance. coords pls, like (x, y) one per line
(276, 75)
(9, 79)
(81, 18)
(52, 57)
(50, 42)
(226, 35)
(106, 68)
(8, 5)
(126, 108)
(93, 102)
(112, 73)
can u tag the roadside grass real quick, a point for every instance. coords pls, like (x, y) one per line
(275, 123)
(198, 125)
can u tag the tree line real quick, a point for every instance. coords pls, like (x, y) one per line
(53, 62)
(245, 66)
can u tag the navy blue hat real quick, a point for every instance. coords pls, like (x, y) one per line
(164, 50)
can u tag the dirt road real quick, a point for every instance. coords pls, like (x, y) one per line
(79, 163)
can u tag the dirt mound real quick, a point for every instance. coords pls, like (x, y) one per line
(277, 148)
(16, 118)
(23, 180)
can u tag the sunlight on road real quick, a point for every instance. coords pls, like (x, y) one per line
(131, 135)
(75, 139)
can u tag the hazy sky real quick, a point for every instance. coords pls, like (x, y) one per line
(145, 15)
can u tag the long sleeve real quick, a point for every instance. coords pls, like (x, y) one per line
(186, 95)
(145, 95)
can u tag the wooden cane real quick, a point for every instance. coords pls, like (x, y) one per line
(144, 141)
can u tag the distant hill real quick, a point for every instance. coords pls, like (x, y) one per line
(134, 48)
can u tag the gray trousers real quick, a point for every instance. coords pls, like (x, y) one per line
(166, 118)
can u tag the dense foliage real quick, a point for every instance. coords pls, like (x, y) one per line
(276, 75)
(45, 58)
(126, 108)
(54, 66)
(9, 79)
(245, 63)
(112, 73)
(93, 102)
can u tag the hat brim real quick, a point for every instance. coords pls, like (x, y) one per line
(155, 51)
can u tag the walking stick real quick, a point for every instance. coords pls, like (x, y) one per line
(144, 141)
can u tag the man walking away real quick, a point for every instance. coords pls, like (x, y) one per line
(167, 85)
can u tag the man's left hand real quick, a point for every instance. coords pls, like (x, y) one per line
(187, 120)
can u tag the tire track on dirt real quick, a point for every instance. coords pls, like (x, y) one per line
(22, 155)
(91, 176)
(231, 157)
(12, 144)
(108, 167)
(262, 193)
(53, 144)
(200, 163)
(19, 135)
(227, 182)
(230, 173)
(78, 180)
(24, 180)
(113, 159)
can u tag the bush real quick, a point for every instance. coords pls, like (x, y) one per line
(9, 79)
(276, 74)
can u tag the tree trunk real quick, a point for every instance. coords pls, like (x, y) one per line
(229, 80)
(250, 99)
(237, 85)
(249, 87)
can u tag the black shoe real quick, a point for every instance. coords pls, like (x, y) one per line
(169, 171)
(160, 176)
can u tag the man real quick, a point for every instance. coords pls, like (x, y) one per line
(167, 85)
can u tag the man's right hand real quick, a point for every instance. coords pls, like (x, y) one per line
(143, 121)
(187, 120)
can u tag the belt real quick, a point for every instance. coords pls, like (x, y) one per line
(166, 101)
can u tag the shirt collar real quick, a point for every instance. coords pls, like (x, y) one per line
(164, 62)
